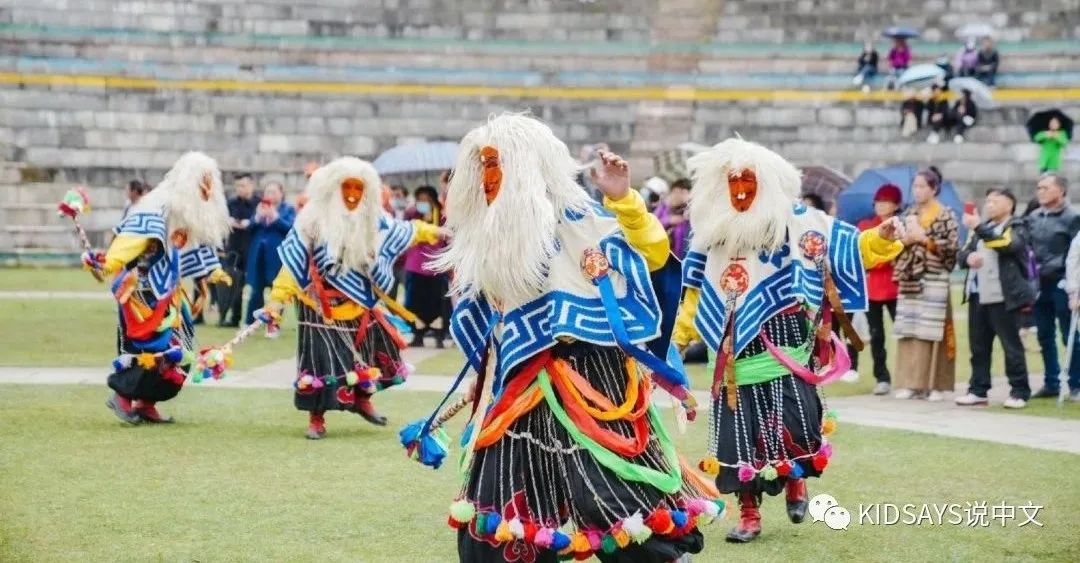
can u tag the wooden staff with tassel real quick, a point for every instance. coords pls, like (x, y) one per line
(76, 202)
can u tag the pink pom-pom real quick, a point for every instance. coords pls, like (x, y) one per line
(825, 450)
(544, 536)
(746, 473)
(594, 538)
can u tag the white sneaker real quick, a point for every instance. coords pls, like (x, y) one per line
(850, 376)
(971, 400)
(882, 388)
(959, 139)
(1014, 403)
(935, 396)
(933, 139)
(866, 89)
(904, 394)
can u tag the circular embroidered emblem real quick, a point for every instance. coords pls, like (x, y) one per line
(345, 395)
(594, 264)
(812, 245)
(735, 280)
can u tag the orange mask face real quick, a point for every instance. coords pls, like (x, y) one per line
(492, 179)
(178, 238)
(352, 191)
(742, 189)
(206, 187)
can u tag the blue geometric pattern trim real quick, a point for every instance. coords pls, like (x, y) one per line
(198, 262)
(534, 327)
(164, 272)
(782, 289)
(144, 225)
(398, 236)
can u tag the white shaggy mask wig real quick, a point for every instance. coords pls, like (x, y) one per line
(180, 196)
(503, 249)
(349, 236)
(713, 218)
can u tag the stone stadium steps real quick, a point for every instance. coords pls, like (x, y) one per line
(29, 222)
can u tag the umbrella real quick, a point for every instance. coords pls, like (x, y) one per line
(857, 201)
(417, 157)
(823, 182)
(920, 73)
(975, 31)
(1040, 121)
(900, 31)
(671, 164)
(980, 92)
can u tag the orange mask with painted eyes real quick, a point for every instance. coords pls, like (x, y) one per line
(352, 191)
(206, 187)
(742, 189)
(492, 178)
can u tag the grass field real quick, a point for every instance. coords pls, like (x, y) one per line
(235, 481)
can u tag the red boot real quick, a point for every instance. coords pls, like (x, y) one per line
(316, 426)
(149, 413)
(749, 527)
(367, 410)
(795, 492)
(122, 408)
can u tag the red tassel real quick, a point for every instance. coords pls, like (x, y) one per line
(455, 524)
(530, 531)
(783, 469)
(660, 521)
(820, 462)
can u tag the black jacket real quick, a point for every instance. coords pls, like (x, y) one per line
(870, 58)
(1051, 233)
(240, 239)
(1016, 288)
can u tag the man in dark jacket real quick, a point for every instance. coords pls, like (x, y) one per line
(1052, 227)
(986, 65)
(241, 209)
(997, 290)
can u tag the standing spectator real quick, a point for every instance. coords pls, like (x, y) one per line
(425, 289)
(1051, 144)
(997, 290)
(399, 201)
(881, 288)
(1072, 288)
(967, 59)
(986, 66)
(674, 218)
(241, 208)
(938, 114)
(135, 191)
(270, 223)
(899, 59)
(911, 113)
(964, 114)
(866, 69)
(1052, 228)
(925, 353)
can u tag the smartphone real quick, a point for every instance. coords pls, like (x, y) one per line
(266, 201)
(969, 208)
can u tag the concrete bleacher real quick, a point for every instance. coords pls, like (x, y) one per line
(246, 55)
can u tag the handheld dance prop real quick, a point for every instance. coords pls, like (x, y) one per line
(212, 361)
(77, 202)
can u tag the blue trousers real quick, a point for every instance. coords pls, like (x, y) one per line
(1051, 312)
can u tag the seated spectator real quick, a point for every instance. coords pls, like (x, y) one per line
(867, 66)
(1051, 144)
(986, 65)
(966, 59)
(673, 216)
(269, 224)
(964, 113)
(911, 113)
(899, 60)
(938, 114)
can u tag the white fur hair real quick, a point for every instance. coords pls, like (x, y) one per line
(350, 236)
(504, 250)
(712, 218)
(178, 195)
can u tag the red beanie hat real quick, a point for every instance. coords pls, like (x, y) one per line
(889, 192)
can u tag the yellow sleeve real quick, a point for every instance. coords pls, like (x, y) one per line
(876, 250)
(642, 229)
(684, 332)
(284, 288)
(424, 233)
(123, 249)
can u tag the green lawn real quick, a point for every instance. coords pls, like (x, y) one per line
(235, 480)
(48, 279)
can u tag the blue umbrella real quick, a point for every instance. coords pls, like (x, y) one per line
(418, 157)
(857, 201)
(901, 31)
